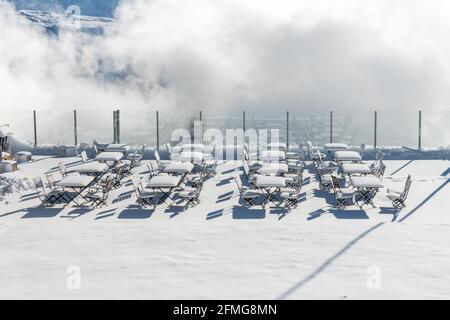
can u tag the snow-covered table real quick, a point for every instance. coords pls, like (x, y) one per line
(368, 187)
(106, 157)
(93, 168)
(271, 186)
(179, 168)
(193, 147)
(165, 184)
(273, 155)
(355, 168)
(196, 156)
(273, 168)
(345, 155)
(76, 183)
(332, 147)
(117, 147)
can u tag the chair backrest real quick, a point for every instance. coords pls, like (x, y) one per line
(246, 168)
(95, 148)
(84, 157)
(302, 155)
(136, 184)
(335, 181)
(407, 187)
(135, 159)
(108, 185)
(300, 177)
(62, 169)
(143, 148)
(246, 147)
(150, 169)
(157, 157)
(381, 170)
(50, 180)
(120, 173)
(38, 184)
(239, 185)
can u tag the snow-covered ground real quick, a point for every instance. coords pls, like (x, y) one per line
(219, 250)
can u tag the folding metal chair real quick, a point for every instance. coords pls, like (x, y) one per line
(99, 195)
(144, 198)
(247, 196)
(290, 197)
(325, 182)
(344, 196)
(399, 197)
(47, 198)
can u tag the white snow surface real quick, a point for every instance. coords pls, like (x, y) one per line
(219, 250)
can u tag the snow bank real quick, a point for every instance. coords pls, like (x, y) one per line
(11, 185)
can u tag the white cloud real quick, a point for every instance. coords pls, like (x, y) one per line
(226, 54)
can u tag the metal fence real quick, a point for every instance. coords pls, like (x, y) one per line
(414, 129)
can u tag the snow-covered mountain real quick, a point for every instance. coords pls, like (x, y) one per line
(54, 21)
(90, 16)
(96, 8)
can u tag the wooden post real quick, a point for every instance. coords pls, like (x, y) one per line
(75, 130)
(35, 128)
(420, 129)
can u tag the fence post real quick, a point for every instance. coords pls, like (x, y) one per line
(75, 130)
(375, 130)
(114, 127)
(35, 128)
(287, 130)
(157, 130)
(331, 126)
(118, 125)
(420, 129)
(201, 126)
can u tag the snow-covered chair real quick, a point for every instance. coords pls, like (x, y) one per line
(327, 166)
(133, 159)
(47, 197)
(98, 195)
(174, 154)
(294, 179)
(253, 164)
(325, 182)
(247, 195)
(290, 197)
(190, 196)
(344, 196)
(144, 197)
(161, 163)
(315, 155)
(397, 197)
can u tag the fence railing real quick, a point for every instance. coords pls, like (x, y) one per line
(415, 129)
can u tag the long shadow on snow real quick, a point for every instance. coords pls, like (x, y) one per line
(327, 263)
